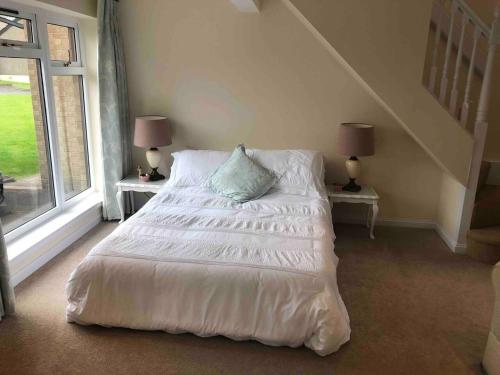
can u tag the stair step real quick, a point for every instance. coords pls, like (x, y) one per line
(489, 235)
(483, 174)
(487, 207)
(488, 193)
(483, 244)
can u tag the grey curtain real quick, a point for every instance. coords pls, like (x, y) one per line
(7, 304)
(115, 127)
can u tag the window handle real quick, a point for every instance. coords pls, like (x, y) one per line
(68, 63)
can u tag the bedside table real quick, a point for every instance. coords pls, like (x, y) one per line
(131, 184)
(366, 195)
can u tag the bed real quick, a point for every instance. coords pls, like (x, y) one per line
(193, 261)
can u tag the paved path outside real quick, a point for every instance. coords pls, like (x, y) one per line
(11, 90)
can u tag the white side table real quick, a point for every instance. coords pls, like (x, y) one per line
(366, 195)
(131, 184)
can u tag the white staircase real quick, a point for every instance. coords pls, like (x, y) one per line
(461, 60)
(459, 74)
(384, 45)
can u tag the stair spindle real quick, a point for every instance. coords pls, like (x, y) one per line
(484, 96)
(458, 63)
(444, 78)
(480, 124)
(437, 37)
(464, 116)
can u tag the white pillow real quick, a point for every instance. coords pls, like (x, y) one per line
(299, 171)
(194, 167)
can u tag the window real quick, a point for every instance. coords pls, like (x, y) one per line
(15, 30)
(44, 162)
(62, 44)
(24, 155)
(71, 134)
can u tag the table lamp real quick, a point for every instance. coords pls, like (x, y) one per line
(355, 139)
(152, 132)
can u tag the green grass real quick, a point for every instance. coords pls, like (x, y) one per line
(19, 85)
(18, 146)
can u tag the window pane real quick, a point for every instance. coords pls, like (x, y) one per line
(15, 28)
(61, 43)
(71, 134)
(26, 187)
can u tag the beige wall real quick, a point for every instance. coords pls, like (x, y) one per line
(84, 7)
(225, 77)
(384, 41)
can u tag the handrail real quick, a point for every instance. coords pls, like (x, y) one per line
(495, 28)
(474, 18)
(452, 19)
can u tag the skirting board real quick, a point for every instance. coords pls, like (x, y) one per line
(93, 219)
(458, 248)
(402, 223)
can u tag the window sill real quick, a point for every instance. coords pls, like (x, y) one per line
(31, 251)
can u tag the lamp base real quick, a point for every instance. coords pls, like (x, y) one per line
(154, 175)
(352, 186)
(154, 157)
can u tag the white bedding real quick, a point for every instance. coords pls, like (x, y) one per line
(192, 261)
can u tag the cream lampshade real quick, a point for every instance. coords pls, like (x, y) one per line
(355, 139)
(152, 132)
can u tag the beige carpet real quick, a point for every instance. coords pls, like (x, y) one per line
(415, 309)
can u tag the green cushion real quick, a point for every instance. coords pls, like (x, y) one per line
(240, 178)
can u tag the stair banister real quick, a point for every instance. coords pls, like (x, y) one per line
(437, 38)
(490, 360)
(444, 73)
(484, 96)
(458, 63)
(466, 45)
(474, 18)
(480, 128)
(464, 116)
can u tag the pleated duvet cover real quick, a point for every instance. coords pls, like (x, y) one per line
(193, 261)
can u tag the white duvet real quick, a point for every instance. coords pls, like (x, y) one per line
(192, 261)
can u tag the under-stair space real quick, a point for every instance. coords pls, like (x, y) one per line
(385, 51)
(483, 240)
(430, 65)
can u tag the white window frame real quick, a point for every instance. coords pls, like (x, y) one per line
(27, 16)
(74, 25)
(40, 50)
